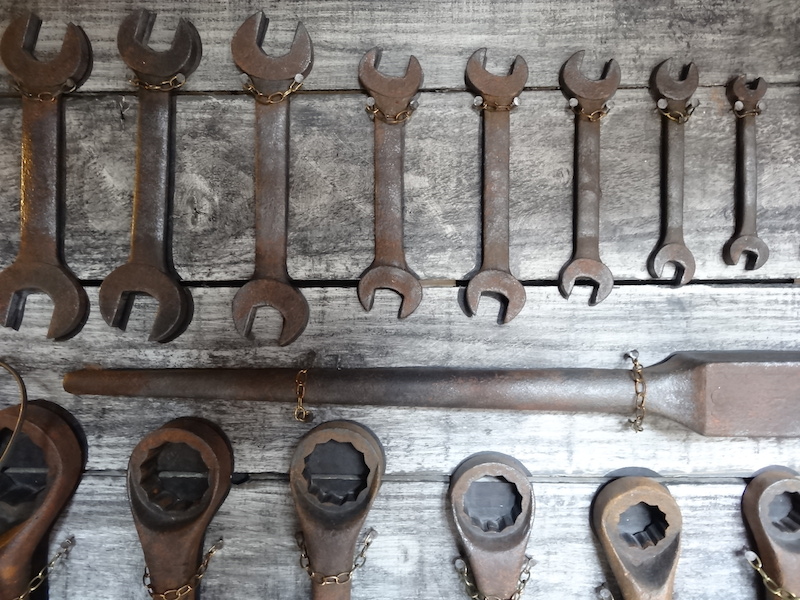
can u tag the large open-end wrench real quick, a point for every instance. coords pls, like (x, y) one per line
(673, 96)
(745, 100)
(40, 265)
(588, 100)
(498, 96)
(149, 269)
(271, 82)
(392, 97)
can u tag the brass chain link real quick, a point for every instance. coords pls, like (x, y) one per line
(301, 413)
(473, 591)
(640, 388)
(274, 97)
(679, 116)
(186, 588)
(173, 83)
(592, 116)
(480, 104)
(67, 87)
(772, 587)
(340, 578)
(403, 115)
(738, 110)
(41, 576)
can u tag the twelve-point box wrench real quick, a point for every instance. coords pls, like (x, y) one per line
(498, 97)
(149, 269)
(391, 104)
(746, 100)
(40, 265)
(588, 100)
(271, 81)
(673, 98)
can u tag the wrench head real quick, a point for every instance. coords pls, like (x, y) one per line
(588, 269)
(392, 94)
(497, 282)
(677, 254)
(495, 89)
(747, 93)
(591, 94)
(404, 283)
(282, 296)
(119, 288)
(150, 66)
(74, 60)
(251, 58)
(756, 250)
(70, 303)
(666, 86)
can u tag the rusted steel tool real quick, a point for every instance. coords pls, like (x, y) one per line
(390, 106)
(335, 474)
(499, 95)
(588, 100)
(639, 527)
(39, 265)
(771, 509)
(712, 393)
(149, 269)
(673, 97)
(746, 101)
(492, 508)
(172, 512)
(271, 81)
(31, 502)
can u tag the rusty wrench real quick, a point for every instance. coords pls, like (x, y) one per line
(673, 98)
(746, 106)
(39, 265)
(271, 80)
(392, 102)
(149, 269)
(498, 97)
(588, 100)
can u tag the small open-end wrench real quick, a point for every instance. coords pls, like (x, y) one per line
(673, 98)
(499, 94)
(745, 99)
(271, 80)
(149, 269)
(39, 265)
(392, 102)
(588, 100)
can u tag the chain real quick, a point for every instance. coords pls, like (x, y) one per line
(741, 113)
(41, 576)
(173, 83)
(574, 104)
(473, 591)
(640, 387)
(400, 117)
(341, 578)
(480, 104)
(186, 588)
(67, 87)
(275, 97)
(301, 413)
(679, 116)
(772, 587)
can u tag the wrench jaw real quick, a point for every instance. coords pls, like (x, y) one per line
(752, 246)
(392, 94)
(680, 256)
(495, 89)
(492, 281)
(590, 270)
(592, 95)
(283, 297)
(749, 94)
(675, 91)
(401, 281)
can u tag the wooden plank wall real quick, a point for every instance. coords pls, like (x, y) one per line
(330, 244)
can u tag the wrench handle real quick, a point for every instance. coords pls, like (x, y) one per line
(496, 185)
(339, 591)
(587, 188)
(672, 164)
(389, 190)
(746, 176)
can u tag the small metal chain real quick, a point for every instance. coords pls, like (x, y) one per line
(473, 591)
(173, 83)
(574, 104)
(67, 87)
(275, 97)
(41, 576)
(741, 113)
(480, 104)
(301, 413)
(400, 117)
(341, 578)
(772, 587)
(640, 387)
(186, 588)
(679, 116)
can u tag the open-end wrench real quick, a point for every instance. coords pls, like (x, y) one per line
(39, 265)
(499, 94)
(673, 96)
(271, 80)
(588, 100)
(149, 269)
(392, 104)
(745, 99)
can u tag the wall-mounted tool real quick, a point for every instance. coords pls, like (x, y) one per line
(771, 509)
(335, 474)
(271, 81)
(492, 509)
(639, 526)
(178, 476)
(149, 269)
(39, 265)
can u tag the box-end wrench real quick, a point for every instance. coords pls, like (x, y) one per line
(39, 265)
(588, 100)
(746, 106)
(498, 97)
(390, 106)
(673, 99)
(271, 81)
(149, 269)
